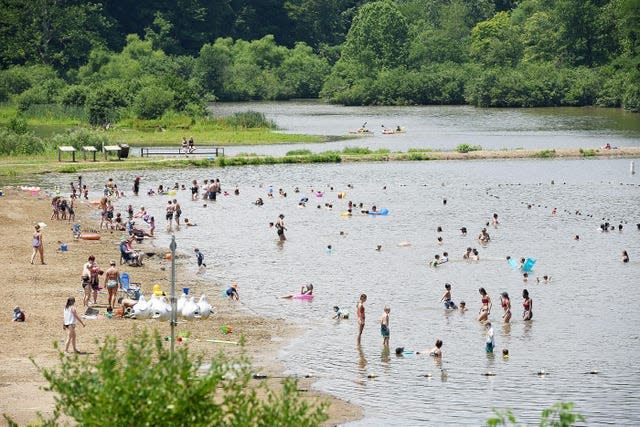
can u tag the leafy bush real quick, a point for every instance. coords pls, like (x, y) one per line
(74, 95)
(561, 414)
(545, 154)
(18, 125)
(465, 148)
(103, 104)
(144, 384)
(78, 138)
(12, 143)
(19, 78)
(152, 102)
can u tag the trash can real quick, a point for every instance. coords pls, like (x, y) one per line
(124, 151)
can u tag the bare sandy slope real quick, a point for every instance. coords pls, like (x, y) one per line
(42, 290)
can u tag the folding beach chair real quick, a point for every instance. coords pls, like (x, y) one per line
(130, 289)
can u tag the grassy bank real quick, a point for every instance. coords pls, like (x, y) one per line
(16, 169)
(245, 128)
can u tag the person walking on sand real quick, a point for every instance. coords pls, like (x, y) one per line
(280, 228)
(70, 319)
(384, 326)
(112, 282)
(37, 243)
(360, 315)
(200, 258)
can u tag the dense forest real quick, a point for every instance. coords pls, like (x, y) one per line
(116, 59)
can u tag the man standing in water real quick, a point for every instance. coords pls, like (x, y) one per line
(280, 228)
(360, 315)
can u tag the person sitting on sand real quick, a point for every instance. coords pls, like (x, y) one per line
(18, 315)
(128, 254)
(125, 307)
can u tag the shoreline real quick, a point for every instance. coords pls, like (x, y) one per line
(15, 169)
(41, 290)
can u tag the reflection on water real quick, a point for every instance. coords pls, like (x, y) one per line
(584, 319)
(444, 127)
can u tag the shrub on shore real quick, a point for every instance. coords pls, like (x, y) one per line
(140, 382)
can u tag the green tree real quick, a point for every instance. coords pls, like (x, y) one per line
(152, 102)
(160, 34)
(378, 36)
(496, 41)
(144, 384)
(213, 65)
(302, 72)
(540, 38)
(317, 22)
(103, 103)
(582, 36)
(56, 32)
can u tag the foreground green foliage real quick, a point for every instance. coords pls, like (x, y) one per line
(561, 414)
(144, 384)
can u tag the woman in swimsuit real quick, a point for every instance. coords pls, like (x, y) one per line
(505, 301)
(37, 245)
(112, 282)
(527, 305)
(485, 310)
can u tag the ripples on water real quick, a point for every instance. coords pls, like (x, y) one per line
(444, 127)
(584, 320)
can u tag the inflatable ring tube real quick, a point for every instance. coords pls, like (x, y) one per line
(171, 193)
(383, 211)
(303, 297)
(90, 236)
(528, 265)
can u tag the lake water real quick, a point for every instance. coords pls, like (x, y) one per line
(584, 320)
(444, 127)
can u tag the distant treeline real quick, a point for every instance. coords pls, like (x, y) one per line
(116, 59)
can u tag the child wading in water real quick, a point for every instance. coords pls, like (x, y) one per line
(490, 343)
(384, 326)
(446, 297)
(360, 314)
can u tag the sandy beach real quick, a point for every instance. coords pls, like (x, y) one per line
(41, 291)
